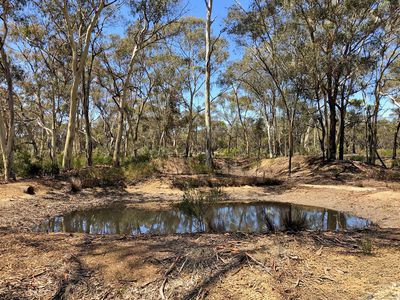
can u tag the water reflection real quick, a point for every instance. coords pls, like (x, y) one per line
(254, 217)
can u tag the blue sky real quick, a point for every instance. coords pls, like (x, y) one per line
(220, 9)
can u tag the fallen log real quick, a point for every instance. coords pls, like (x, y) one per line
(28, 190)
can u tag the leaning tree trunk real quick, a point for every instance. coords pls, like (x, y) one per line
(209, 158)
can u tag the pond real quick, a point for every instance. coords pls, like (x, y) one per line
(231, 217)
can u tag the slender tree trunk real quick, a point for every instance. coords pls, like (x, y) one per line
(342, 132)
(209, 158)
(290, 145)
(118, 140)
(53, 151)
(373, 128)
(73, 109)
(245, 134)
(78, 65)
(7, 133)
(269, 138)
(85, 107)
(190, 129)
(332, 129)
(120, 128)
(394, 155)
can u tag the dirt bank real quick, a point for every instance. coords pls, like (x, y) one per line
(231, 266)
(357, 265)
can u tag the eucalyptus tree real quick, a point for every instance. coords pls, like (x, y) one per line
(79, 21)
(266, 32)
(74, 23)
(188, 46)
(341, 35)
(47, 56)
(386, 53)
(9, 13)
(207, 92)
(151, 25)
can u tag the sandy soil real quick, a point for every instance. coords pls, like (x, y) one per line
(352, 265)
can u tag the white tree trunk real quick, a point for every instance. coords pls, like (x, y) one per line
(209, 159)
(78, 64)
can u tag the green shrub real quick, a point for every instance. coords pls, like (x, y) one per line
(230, 153)
(79, 161)
(25, 166)
(357, 157)
(195, 204)
(139, 169)
(365, 246)
(50, 168)
(100, 176)
(385, 152)
(197, 165)
(396, 163)
(100, 158)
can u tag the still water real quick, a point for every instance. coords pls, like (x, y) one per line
(232, 217)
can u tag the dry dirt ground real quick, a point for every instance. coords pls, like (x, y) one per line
(306, 265)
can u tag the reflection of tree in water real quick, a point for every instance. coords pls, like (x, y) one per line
(256, 217)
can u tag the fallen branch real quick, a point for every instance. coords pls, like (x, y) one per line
(170, 269)
(258, 263)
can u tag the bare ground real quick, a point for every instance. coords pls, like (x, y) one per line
(308, 265)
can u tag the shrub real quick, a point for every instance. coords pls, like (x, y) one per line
(100, 176)
(197, 165)
(357, 157)
(230, 153)
(101, 158)
(139, 168)
(25, 166)
(395, 163)
(50, 168)
(366, 246)
(196, 203)
(184, 183)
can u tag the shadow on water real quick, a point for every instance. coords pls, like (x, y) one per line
(231, 217)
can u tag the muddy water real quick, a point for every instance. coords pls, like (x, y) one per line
(234, 217)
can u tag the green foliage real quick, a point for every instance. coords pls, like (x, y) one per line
(357, 157)
(197, 165)
(101, 158)
(230, 153)
(139, 167)
(26, 166)
(185, 183)
(100, 176)
(79, 161)
(195, 204)
(385, 152)
(50, 168)
(365, 246)
(396, 163)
